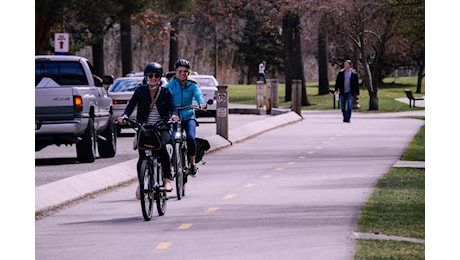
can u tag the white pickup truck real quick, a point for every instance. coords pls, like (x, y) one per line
(73, 107)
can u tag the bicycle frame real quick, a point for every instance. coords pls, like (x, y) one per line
(150, 177)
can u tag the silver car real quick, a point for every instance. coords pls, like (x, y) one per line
(208, 85)
(121, 92)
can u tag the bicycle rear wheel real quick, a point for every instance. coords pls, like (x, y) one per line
(146, 189)
(160, 195)
(178, 174)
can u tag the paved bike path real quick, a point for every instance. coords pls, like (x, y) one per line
(58, 193)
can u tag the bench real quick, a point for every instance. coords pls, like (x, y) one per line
(411, 97)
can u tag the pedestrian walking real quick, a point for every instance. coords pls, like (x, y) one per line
(261, 74)
(348, 85)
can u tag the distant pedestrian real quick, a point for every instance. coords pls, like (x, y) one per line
(348, 85)
(261, 74)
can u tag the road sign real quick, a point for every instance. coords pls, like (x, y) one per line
(221, 97)
(61, 43)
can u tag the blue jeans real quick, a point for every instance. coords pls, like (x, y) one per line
(190, 131)
(346, 104)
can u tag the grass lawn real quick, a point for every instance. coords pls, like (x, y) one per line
(393, 88)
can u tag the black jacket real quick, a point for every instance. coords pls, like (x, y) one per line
(141, 98)
(354, 84)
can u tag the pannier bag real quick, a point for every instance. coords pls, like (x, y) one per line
(202, 146)
(150, 138)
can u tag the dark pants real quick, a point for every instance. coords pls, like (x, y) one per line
(261, 75)
(163, 154)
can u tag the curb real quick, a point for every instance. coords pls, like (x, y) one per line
(59, 193)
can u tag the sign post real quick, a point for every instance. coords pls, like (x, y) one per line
(222, 112)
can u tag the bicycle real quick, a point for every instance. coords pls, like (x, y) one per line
(179, 155)
(150, 176)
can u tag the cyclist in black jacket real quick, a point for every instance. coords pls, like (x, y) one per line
(154, 103)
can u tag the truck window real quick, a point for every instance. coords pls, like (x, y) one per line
(63, 73)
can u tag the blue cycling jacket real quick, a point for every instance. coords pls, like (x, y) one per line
(184, 97)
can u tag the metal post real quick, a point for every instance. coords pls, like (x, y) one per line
(222, 112)
(260, 94)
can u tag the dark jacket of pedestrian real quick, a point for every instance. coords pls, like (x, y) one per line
(354, 82)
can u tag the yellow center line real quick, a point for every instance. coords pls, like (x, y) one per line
(163, 245)
(291, 163)
(211, 209)
(229, 196)
(249, 185)
(279, 169)
(184, 226)
(318, 147)
(265, 176)
(310, 152)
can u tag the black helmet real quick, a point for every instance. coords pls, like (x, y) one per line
(153, 67)
(182, 62)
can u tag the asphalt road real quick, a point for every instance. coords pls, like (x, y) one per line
(292, 192)
(55, 163)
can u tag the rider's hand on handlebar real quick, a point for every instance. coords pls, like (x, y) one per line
(203, 106)
(120, 119)
(175, 118)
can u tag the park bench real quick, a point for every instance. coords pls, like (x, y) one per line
(411, 97)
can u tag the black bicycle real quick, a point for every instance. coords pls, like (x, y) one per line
(179, 155)
(151, 180)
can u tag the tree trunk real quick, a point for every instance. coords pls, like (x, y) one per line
(420, 75)
(293, 56)
(323, 77)
(98, 56)
(173, 43)
(126, 50)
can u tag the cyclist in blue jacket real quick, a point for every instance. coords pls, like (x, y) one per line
(184, 89)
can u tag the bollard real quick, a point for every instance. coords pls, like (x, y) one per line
(260, 94)
(296, 95)
(268, 95)
(222, 112)
(274, 93)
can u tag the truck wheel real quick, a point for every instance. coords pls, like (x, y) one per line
(86, 148)
(108, 147)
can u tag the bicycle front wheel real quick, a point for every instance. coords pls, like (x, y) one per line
(179, 175)
(184, 166)
(146, 189)
(160, 195)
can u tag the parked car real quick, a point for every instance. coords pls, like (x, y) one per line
(121, 92)
(208, 85)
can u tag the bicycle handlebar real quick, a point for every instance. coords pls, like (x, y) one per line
(190, 107)
(196, 107)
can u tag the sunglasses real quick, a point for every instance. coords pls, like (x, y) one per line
(182, 71)
(151, 75)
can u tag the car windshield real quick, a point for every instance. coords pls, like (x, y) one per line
(206, 82)
(125, 85)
